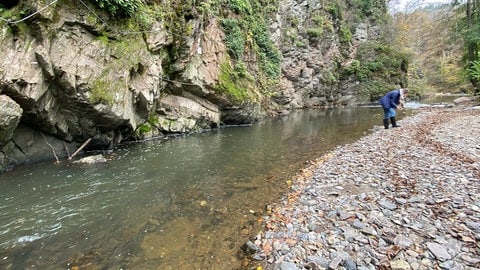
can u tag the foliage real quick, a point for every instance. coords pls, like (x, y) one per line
(234, 38)
(344, 34)
(234, 83)
(208, 9)
(315, 32)
(270, 59)
(358, 70)
(119, 7)
(318, 20)
(144, 128)
(240, 6)
(363, 9)
(335, 10)
(471, 35)
(103, 39)
(474, 70)
(378, 67)
(431, 38)
(242, 71)
(294, 21)
(248, 30)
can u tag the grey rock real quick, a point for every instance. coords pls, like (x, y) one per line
(473, 225)
(403, 241)
(285, 266)
(10, 114)
(439, 251)
(92, 159)
(335, 262)
(399, 265)
(387, 204)
(358, 224)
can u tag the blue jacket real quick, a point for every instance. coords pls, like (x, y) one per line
(391, 99)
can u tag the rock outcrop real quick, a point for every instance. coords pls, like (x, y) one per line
(69, 74)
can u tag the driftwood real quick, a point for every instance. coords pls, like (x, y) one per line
(80, 149)
(53, 149)
(66, 149)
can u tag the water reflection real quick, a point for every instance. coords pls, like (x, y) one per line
(183, 203)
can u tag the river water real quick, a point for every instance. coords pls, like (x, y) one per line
(188, 202)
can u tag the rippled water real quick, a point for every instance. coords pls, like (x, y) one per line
(183, 203)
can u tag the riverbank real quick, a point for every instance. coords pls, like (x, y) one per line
(403, 198)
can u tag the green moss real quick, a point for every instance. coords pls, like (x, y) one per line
(103, 39)
(128, 53)
(335, 10)
(144, 128)
(314, 32)
(6, 13)
(294, 21)
(299, 43)
(102, 91)
(345, 35)
(232, 84)
(153, 119)
(318, 20)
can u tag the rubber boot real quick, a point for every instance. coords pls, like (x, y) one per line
(385, 123)
(394, 122)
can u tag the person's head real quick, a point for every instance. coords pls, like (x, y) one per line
(404, 91)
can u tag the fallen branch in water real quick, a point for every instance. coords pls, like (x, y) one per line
(53, 149)
(80, 149)
(66, 149)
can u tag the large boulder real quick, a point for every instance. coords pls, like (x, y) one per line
(10, 114)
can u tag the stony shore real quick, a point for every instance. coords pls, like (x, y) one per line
(402, 198)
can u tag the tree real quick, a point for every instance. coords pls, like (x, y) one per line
(425, 32)
(471, 35)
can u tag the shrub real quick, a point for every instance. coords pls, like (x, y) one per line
(314, 32)
(270, 59)
(334, 10)
(119, 7)
(234, 38)
(474, 70)
(240, 6)
(345, 35)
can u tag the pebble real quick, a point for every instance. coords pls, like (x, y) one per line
(403, 198)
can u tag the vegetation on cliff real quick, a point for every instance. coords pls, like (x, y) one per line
(253, 54)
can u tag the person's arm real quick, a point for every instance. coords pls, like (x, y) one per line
(393, 96)
(396, 99)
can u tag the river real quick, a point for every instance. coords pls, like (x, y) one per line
(188, 202)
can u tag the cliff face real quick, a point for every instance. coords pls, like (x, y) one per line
(69, 74)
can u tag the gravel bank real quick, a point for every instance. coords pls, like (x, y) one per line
(403, 198)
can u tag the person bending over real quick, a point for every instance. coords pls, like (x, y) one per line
(390, 102)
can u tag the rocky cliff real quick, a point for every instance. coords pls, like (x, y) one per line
(71, 73)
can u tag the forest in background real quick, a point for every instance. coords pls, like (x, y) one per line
(442, 42)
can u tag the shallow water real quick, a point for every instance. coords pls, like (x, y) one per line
(183, 203)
